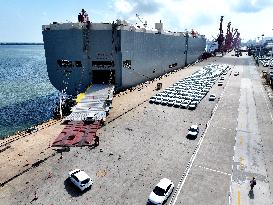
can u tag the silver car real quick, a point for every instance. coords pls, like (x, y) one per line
(185, 104)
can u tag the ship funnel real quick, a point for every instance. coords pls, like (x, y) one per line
(145, 24)
(159, 26)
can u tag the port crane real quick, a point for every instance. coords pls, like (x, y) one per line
(237, 43)
(228, 42)
(220, 39)
(228, 39)
(236, 40)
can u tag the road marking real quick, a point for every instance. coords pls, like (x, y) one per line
(241, 163)
(239, 130)
(239, 198)
(241, 140)
(197, 148)
(234, 147)
(213, 170)
(266, 102)
(80, 97)
(238, 134)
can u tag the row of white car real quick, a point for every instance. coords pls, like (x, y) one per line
(159, 195)
(188, 92)
(266, 62)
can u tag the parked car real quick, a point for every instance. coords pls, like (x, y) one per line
(164, 101)
(177, 103)
(80, 179)
(161, 192)
(206, 89)
(220, 83)
(193, 131)
(236, 73)
(212, 97)
(192, 106)
(158, 100)
(198, 98)
(171, 102)
(185, 104)
(152, 99)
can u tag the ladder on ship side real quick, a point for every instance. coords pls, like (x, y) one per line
(186, 48)
(86, 40)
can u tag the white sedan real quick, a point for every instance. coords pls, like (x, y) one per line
(80, 179)
(161, 191)
(212, 97)
(185, 104)
(152, 99)
(193, 131)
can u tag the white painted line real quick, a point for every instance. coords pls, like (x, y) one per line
(190, 163)
(234, 149)
(213, 170)
(267, 105)
(266, 101)
(233, 158)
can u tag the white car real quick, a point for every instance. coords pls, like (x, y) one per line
(161, 191)
(185, 104)
(212, 97)
(152, 99)
(158, 100)
(164, 101)
(192, 105)
(177, 103)
(193, 131)
(80, 179)
(171, 102)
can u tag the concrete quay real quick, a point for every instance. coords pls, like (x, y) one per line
(142, 143)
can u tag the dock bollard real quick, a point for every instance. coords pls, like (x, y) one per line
(158, 86)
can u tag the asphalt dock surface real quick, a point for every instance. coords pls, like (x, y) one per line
(142, 143)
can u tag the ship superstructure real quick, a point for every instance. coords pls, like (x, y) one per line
(84, 53)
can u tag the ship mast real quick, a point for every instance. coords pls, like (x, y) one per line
(144, 23)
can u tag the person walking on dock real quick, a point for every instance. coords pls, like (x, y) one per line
(252, 183)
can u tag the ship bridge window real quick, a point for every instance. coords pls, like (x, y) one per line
(103, 63)
(127, 64)
(67, 63)
(64, 63)
(173, 65)
(78, 63)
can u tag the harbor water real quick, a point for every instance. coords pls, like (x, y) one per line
(27, 97)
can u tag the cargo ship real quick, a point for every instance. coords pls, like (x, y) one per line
(84, 53)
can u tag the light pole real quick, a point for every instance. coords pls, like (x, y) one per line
(271, 51)
(257, 57)
(261, 45)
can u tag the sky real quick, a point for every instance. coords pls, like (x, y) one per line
(22, 20)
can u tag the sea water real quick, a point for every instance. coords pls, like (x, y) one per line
(27, 97)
